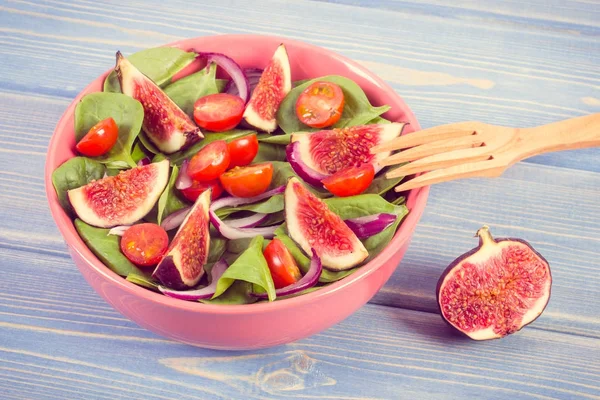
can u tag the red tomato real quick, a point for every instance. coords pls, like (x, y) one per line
(248, 181)
(243, 150)
(210, 162)
(144, 244)
(198, 187)
(282, 265)
(219, 112)
(350, 181)
(99, 139)
(320, 105)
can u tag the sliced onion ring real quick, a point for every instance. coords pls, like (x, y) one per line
(118, 230)
(143, 161)
(309, 280)
(252, 75)
(233, 201)
(305, 172)
(203, 293)
(247, 222)
(364, 227)
(232, 69)
(175, 219)
(183, 181)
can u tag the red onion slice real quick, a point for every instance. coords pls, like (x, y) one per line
(233, 201)
(370, 225)
(247, 222)
(203, 293)
(309, 280)
(232, 233)
(175, 219)
(305, 172)
(118, 230)
(232, 69)
(183, 181)
(143, 161)
(252, 75)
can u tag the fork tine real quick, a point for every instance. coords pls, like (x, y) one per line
(442, 160)
(433, 148)
(441, 132)
(487, 168)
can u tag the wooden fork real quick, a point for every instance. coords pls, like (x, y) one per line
(475, 149)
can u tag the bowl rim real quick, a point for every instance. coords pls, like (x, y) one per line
(416, 202)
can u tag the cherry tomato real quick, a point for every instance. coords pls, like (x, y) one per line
(210, 162)
(144, 244)
(191, 193)
(243, 150)
(320, 105)
(219, 112)
(350, 181)
(248, 181)
(99, 139)
(282, 265)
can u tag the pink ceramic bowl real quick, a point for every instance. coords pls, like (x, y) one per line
(255, 325)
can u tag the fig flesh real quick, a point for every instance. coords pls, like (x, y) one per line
(166, 125)
(317, 155)
(182, 267)
(121, 199)
(274, 84)
(313, 225)
(495, 289)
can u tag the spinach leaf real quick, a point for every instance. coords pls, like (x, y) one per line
(127, 112)
(106, 248)
(142, 280)
(112, 171)
(381, 185)
(148, 145)
(238, 293)
(399, 200)
(159, 64)
(238, 246)
(283, 171)
(274, 218)
(178, 157)
(269, 206)
(357, 108)
(250, 266)
(275, 139)
(216, 250)
(168, 201)
(269, 152)
(138, 152)
(185, 91)
(74, 173)
(158, 157)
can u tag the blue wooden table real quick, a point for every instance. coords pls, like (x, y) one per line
(517, 63)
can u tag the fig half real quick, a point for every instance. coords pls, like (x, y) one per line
(495, 289)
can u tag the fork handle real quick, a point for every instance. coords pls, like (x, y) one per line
(570, 134)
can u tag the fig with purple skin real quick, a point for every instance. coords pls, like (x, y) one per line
(495, 289)
(317, 155)
(121, 199)
(183, 265)
(274, 84)
(166, 125)
(313, 225)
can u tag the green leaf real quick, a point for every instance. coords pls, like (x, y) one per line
(381, 185)
(106, 248)
(158, 157)
(216, 250)
(269, 152)
(283, 171)
(269, 206)
(158, 63)
(357, 108)
(185, 91)
(142, 280)
(74, 173)
(168, 201)
(238, 293)
(148, 143)
(228, 136)
(399, 200)
(250, 266)
(127, 112)
(283, 140)
(274, 218)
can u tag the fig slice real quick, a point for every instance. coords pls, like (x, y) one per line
(121, 199)
(274, 84)
(166, 125)
(313, 225)
(316, 155)
(182, 267)
(495, 289)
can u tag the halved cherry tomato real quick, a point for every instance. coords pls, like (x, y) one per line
(320, 105)
(99, 139)
(210, 162)
(282, 265)
(350, 181)
(191, 193)
(248, 181)
(144, 244)
(243, 150)
(219, 112)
